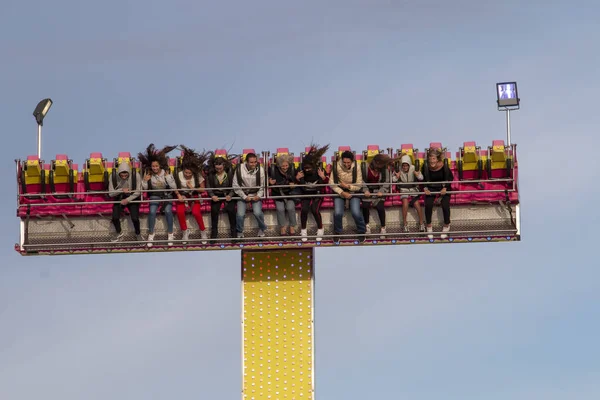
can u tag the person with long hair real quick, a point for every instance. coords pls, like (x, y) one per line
(282, 177)
(220, 190)
(376, 187)
(310, 179)
(159, 182)
(437, 178)
(190, 185)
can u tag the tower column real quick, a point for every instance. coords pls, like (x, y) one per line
(277, 324)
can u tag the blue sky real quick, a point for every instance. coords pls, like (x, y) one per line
(487, 321)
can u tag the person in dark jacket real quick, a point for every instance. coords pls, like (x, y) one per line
(310, 179)
(437, 178)
(282, 176)
(219, 184)
(376, 187)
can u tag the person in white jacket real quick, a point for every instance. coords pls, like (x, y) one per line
(247, 184)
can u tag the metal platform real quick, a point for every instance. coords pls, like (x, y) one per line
(92, 234)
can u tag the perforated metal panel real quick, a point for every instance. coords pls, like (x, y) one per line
(277, 322)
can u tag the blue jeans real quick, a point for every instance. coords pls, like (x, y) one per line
(338, 214)
(256, 210)
(168, 207)
(282, 206)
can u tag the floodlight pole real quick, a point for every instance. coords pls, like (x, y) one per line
(39, 142)
(508, 127)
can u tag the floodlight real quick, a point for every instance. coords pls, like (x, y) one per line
(39, 113)
(508, 99)
(507, 94)
(41, 110)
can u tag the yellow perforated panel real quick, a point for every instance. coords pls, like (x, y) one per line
(277, 324)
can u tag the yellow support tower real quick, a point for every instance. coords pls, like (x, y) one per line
(277, 324)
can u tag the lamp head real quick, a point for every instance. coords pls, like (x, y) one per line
(41, 110)
(507, 94)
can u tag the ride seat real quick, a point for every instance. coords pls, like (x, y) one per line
(95, 173)
(62, 177)
(469, 162)
(32, 178)
(500, 161)
(372, 151)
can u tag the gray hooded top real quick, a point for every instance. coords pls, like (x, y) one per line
(125, 183)
(407, 177)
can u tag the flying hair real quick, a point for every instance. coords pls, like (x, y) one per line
(152, 154)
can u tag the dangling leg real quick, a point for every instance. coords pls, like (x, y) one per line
(290, 206)
(315, 209)
(230, 210)
(215, 206)
(197, 213)
(280, 210)
(428, 214)
(417, 205)
(381, 213)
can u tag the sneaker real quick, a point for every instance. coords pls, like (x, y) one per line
(336, 239)
(260, 233)
(150, 239)
(304, 233)
(382, 233)
(117, 237)
(362, 238)
(170, 238)
(405, 229)
(204, 236)
(368, 229)
(445, 229)
(185, 237)
(320, 233)
(429, 229)
(240, 235)
(422, 228)
(139, 237)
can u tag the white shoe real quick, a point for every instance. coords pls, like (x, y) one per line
(170, 238)
(382, 233)
(118, 237)
(150, 239)
(445, 229)
(260, 233)
(405, 229)
(429, 229)
(368, 227)
(185, 237)
(303, 233)
(320, 233)
(204, 236)
(240, 235)
(422, 228)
